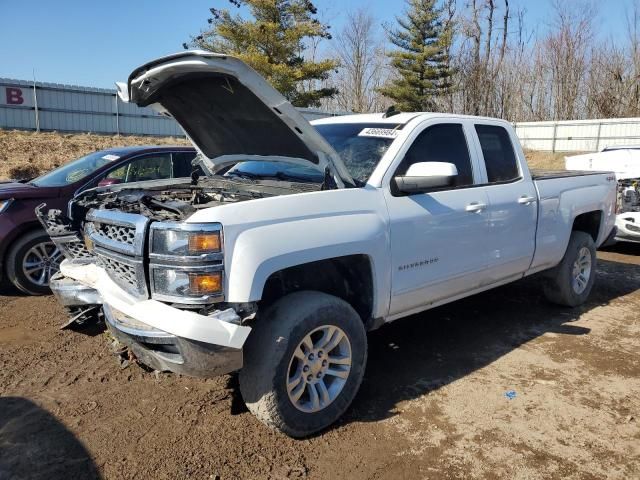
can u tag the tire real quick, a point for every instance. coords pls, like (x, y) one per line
(269, 362)
(561, 286)
(32, 248)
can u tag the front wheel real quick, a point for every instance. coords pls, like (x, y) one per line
(32, 261)
(304, 362)
(570, 282)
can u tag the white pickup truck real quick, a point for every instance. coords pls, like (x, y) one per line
(302, 237)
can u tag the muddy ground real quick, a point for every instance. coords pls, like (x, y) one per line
(432, 404)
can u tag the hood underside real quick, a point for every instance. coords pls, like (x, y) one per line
(230, 112)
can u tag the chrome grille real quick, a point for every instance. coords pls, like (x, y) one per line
(77, 250)
(117, 233)
(124, 272)
(119, 241)
(72, 247)
(127, 273)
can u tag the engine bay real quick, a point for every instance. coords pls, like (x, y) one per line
(175, 201)
(629, 195)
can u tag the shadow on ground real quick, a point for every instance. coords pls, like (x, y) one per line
(416, 355)
(34, 444)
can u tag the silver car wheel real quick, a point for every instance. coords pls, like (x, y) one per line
(319, 369)
(40, 262)
(581, 271)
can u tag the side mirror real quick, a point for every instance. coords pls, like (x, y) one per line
(424, 176)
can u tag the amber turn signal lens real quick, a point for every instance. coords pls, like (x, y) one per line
(205, 283)
(204, 242)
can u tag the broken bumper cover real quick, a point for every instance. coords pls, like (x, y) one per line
(628, 225)
(161, 336)
(71, 293)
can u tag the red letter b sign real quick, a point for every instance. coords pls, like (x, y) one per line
(14, 96)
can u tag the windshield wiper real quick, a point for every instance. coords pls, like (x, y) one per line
(245, 175)
(286, 176)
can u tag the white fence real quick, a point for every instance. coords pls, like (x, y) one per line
(69, 108)
(578, 135)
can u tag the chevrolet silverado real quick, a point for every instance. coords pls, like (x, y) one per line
(279, 276)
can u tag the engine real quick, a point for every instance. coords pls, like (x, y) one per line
(629, 195)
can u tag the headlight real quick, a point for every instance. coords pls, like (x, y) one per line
(185, 240)
(4, 204)
(196, 284)
(186, 262)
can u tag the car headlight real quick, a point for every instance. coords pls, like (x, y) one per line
(185, 240)
(186, 262)
(195, 284)
(4, 204)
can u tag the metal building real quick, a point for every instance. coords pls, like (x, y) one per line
(69, 108)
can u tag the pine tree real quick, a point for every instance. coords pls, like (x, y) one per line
(420, 60)
(273, 42)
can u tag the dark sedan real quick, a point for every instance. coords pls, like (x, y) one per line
(28, 258)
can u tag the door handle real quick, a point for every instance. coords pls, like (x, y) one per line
(475, 207)
(526, 200)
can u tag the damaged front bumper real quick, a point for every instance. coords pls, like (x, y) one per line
(628, 225)
(161, 336)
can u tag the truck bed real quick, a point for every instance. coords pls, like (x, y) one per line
(538, 174)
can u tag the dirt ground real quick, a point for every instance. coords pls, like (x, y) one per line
(432, 404)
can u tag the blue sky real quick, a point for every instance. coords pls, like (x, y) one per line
(95, 43)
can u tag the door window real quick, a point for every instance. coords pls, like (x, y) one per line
(149, 167)
(441, 143)
(498, 153)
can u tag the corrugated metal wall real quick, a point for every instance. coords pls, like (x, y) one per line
(578, 135)
(70, 108)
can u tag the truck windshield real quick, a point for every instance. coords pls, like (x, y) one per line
(358, 145)
(75, 170)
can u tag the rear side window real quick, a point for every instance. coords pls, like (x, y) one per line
(498, 153)
(441, 143)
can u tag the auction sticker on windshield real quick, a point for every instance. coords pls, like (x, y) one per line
(111, 158)
(379, 132)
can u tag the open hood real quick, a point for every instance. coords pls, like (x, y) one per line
(230, 112)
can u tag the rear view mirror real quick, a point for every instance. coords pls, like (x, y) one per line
(424, 176)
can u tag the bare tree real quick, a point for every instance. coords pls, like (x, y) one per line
(481, 54)
(362, 64)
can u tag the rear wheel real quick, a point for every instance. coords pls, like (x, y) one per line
(304, 362)
(570, 282)
(32, 261)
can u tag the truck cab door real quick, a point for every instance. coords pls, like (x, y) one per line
(438, 238)
(513, 203)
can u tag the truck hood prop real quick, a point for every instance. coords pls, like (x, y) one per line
(230, 112)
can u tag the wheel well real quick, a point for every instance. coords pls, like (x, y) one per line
(589, 223)
(349, 278)
(10, 240)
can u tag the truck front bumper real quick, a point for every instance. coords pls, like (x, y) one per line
(628, 227)
(161, 336)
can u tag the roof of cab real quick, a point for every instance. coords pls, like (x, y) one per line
(398, 118)
(134, 149)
